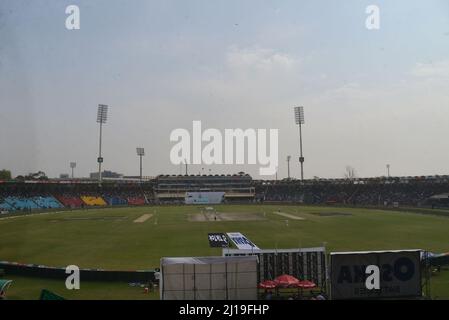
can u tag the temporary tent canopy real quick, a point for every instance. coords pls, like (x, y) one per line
(306, 284)
(286, 280)
(268, 284)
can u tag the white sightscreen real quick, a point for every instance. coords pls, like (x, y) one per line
(209, 278)
(204, 197)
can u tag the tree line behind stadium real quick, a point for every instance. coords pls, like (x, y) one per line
(239, 188)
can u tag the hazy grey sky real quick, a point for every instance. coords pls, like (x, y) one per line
(370, 97)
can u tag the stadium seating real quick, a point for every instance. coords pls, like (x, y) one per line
(5, 206)
(136, 201)
(47, 202)
(70, 201)
(19, 203)
(369, 194)
(382, 192)
(93, 201)
(115, 201)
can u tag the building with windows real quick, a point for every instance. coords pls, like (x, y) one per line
(236, 187)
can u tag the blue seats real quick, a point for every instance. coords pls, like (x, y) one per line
(21, 203)
(116, 201)
(5, 206)
(47, 202)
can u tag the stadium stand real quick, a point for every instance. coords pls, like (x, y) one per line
(5, 206)
(410, 191)
(93, 201)
(136, 201)
(115, 200)
(47, 202)
(21, 203)
(70, 201)
(29, 203)
(404, 191)
(172, 189)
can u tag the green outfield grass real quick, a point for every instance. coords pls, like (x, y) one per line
(110, 239)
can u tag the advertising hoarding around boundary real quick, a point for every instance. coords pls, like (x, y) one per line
(399, 274)
(241, 241)
(218, 240)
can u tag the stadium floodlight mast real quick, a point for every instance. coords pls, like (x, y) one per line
(299, 119)
(388, 170)
(140, 153)
(102, 117)
(288, 166)
(72, 166)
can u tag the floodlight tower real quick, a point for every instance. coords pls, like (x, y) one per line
(72, 166)
(288, 166)
(388, 170)
(140, 153)
(102, 116)
(299, 119)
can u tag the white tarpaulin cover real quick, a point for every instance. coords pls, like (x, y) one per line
(209, 278)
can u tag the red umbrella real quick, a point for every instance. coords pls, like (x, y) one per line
(306, 284)
(286, 280)
(268, 284)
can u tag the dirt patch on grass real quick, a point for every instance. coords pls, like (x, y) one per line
(287, 215)
(143, 218)
(218, 216)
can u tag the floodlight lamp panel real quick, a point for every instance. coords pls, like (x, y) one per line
(299, 115)
(102, 113)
